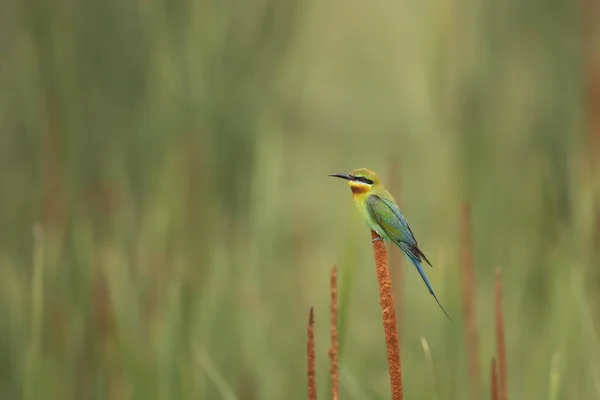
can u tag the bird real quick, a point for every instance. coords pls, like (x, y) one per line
(383, 215)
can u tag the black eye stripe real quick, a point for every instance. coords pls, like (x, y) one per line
(363, 180)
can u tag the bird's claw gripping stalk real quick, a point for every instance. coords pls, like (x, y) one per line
(376, 239)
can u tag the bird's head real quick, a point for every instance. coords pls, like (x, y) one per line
(361, 180)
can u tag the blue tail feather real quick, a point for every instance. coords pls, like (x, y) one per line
(417, 265)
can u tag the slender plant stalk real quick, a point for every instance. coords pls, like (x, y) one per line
(37, 309)
(429, 359)
(386, 300)
(554, 376)
(54, 212)
(494, 395)
(590, 37)
(343, 300)
(225, 391)
(468, 295)
(310, 353)
(590, 17)
(333, 350)
(500, 345)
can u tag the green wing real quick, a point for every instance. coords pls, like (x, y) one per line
(389, 217)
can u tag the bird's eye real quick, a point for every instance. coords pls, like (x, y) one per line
(364, 180)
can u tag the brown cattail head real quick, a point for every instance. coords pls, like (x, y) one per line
(500, 346)
(386, 300)
(310, 353)
(333, 350)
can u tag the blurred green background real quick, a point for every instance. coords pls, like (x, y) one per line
(166, 219)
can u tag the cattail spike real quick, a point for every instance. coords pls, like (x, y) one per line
(333, 350)
(386, 300)
(310, 353)
(500, 344)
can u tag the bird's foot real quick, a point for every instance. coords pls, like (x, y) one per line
(376, 239)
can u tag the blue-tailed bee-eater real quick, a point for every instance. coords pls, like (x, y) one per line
(381, 212)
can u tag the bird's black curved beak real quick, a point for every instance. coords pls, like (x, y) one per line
(343, 176)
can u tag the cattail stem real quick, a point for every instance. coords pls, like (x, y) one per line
(333, 350)
(386, 300)
(310, 353)
(500, 345)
